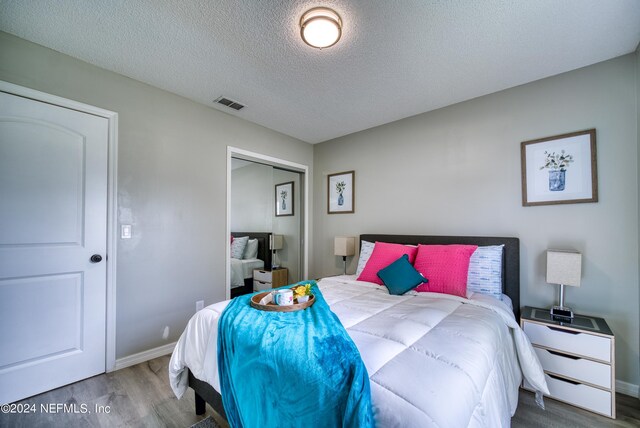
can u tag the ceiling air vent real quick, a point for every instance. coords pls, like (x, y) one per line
(229, 103)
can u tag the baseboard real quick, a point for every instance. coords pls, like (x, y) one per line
(627, 388)
(143, 356)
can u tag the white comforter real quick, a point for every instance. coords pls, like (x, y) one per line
(241, 269)
(433, 360)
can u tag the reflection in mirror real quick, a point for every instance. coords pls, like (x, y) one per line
(256, 190)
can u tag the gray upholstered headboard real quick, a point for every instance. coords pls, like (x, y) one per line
(510, 255)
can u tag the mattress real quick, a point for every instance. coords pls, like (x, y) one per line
(433, 360)
(242, 269)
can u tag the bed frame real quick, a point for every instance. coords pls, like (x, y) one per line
(205, 393)
(263, 254)
(510, 256)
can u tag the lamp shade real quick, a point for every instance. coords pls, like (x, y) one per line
(344, 246)
(276, 242)
(564, 267)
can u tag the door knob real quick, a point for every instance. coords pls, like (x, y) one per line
(96, 258)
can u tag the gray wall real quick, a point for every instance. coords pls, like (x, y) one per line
(172, 186)
(456, 171)
(252, 198)
(638, 128)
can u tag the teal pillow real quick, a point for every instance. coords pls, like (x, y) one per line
(400, 276)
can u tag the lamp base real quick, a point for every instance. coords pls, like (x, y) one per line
(562, 312)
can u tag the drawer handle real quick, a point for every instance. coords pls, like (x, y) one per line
(563, 331)
(262, 271)
(559, 354)
(573, 382)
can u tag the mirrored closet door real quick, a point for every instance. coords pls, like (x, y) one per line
(266, 220)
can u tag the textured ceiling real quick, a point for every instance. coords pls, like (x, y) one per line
(397, 58)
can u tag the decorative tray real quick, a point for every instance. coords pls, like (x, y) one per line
(272, 307)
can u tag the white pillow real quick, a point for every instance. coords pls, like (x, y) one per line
(251, 251)
(366, 248)
(485, 271)
(237, 247)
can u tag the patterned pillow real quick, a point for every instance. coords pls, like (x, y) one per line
(366, 248)
(445, 266)
(383, 255)
(485, 271)
(238, 246)
(251, 251)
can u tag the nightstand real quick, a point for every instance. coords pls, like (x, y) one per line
(578, 359)
(264, 279)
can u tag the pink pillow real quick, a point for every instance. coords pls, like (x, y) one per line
(445, 266)
(382, 256)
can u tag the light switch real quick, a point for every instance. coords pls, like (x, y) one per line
(125, 231)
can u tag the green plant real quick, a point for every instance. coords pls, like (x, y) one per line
(302, 290)
(556, 161)
(283, 194)
(340, 186)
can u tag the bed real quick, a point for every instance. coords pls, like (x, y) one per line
(241, 270)
(418, 375)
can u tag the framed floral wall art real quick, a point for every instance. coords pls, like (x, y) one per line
(560, 169)
(284, 199)
(341, 193)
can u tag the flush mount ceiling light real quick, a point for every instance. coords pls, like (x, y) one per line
(320, 27)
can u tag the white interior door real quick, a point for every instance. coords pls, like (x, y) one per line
(53, 219)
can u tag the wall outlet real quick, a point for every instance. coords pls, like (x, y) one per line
(165, 333)
(199, 305)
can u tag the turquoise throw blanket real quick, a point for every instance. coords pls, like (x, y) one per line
(290, 369)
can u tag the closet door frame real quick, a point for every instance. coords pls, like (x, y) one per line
(276, 162)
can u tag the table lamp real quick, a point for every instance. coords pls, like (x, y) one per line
(344, 246)
(564, 268)
(275, 243)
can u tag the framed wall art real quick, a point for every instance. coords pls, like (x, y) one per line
(560, 169)
(341, 193)
(284, 199)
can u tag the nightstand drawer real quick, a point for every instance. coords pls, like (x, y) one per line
(588, 397)
(575, 368)
(586, 344)
(262, 275)
(260, 285)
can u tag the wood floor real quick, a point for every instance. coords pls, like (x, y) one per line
(140, 396)
(560, 415)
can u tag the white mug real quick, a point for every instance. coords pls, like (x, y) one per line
(283, 297)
